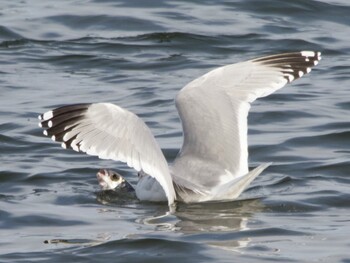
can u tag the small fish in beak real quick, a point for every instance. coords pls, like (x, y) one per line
(111, 180)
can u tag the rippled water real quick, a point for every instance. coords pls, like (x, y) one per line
(138, 54)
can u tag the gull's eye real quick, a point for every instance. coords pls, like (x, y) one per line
(115, 177)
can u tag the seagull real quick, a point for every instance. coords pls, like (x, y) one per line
(212, 164)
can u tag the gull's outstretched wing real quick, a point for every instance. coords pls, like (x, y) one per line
(214, 108)
(109, 132)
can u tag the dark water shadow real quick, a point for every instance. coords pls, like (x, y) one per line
(123, 250)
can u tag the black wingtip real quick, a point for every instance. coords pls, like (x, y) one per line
(293, 65)
(58, 122)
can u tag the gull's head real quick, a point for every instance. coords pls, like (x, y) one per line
(109, 180)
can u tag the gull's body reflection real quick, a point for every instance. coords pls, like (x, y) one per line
(218, 224)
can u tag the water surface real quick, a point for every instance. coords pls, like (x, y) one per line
(139, 54)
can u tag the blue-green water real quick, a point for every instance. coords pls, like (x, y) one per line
(139, 54)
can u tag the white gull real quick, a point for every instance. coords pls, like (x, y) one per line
(212, 164)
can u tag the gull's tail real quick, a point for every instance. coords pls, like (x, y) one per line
(232, 189)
